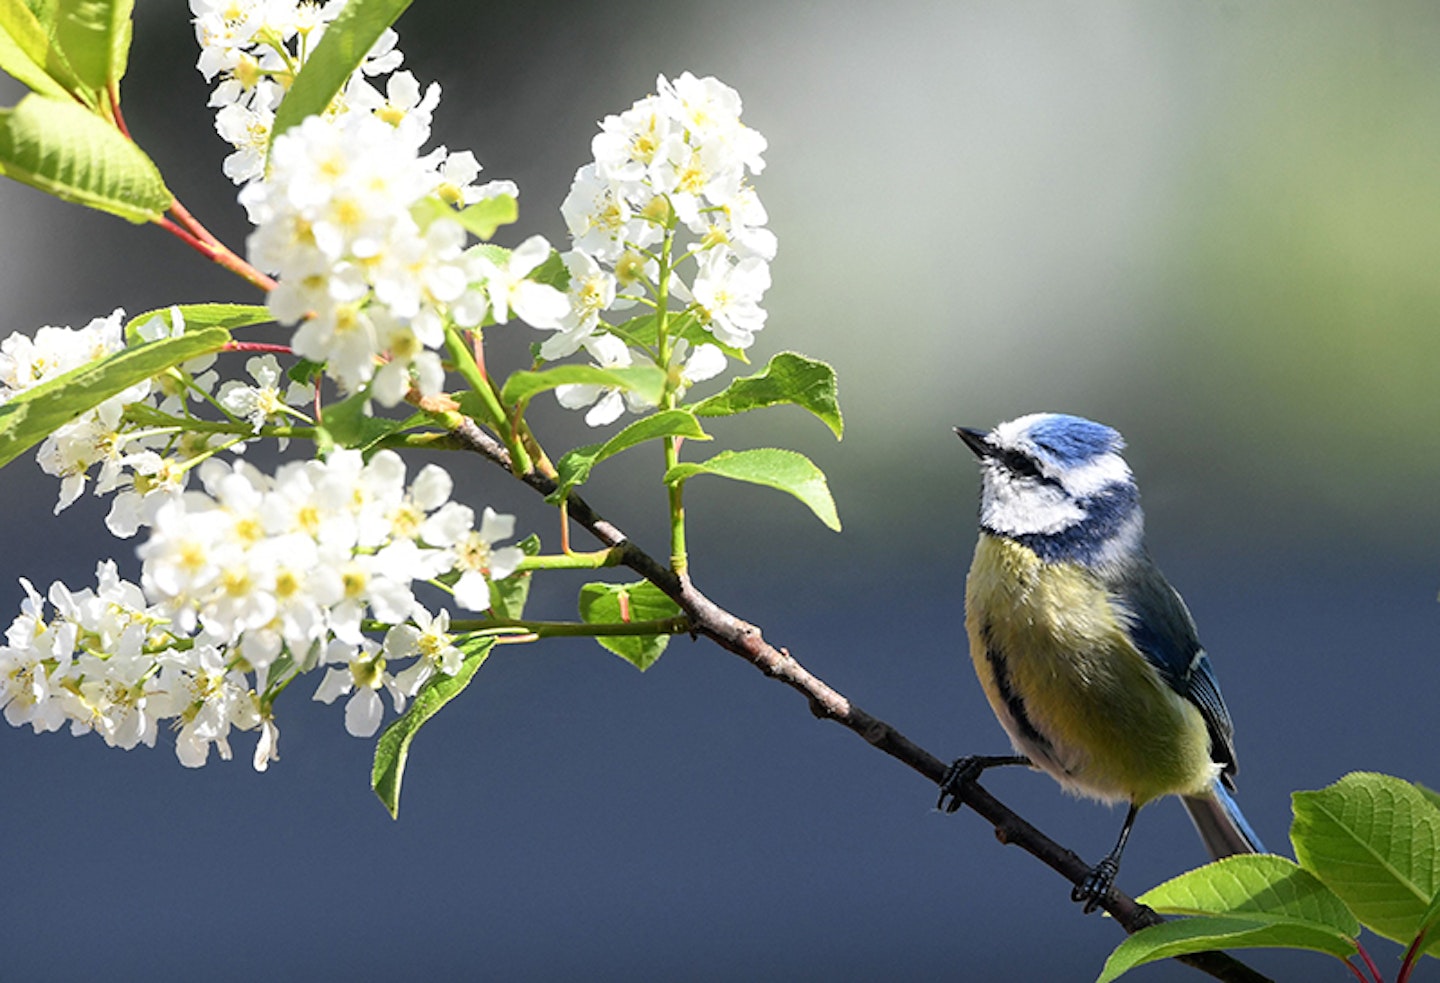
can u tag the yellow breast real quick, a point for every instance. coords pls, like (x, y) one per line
(1070, 687)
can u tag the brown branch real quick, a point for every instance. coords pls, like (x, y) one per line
(745, 640)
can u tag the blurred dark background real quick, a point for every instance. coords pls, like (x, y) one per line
(1212, 225)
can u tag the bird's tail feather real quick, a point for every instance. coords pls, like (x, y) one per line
(1221, 824)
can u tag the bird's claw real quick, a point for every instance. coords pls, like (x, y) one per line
(960, 772)
(1094, 890)
(967, 769)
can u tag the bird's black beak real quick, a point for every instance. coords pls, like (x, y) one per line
(975, 440)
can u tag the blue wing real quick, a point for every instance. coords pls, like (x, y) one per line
(1162, 629)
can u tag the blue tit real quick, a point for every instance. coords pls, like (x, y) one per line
(1088, 656)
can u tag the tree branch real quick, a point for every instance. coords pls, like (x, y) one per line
(746, 641)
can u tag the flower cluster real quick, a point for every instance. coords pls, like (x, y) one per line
(370, 278)
(255, 47)
(676, 159)
(371, 288)
(143, 465)
(247, 583)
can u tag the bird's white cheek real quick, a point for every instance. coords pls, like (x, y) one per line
(1025, 507)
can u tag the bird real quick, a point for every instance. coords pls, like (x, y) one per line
(1089, 658)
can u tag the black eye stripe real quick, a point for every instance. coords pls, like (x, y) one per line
(1022, 465)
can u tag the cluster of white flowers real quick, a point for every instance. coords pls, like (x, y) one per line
(681, 156)
(371, 289)
(255, 47)
(143, 466)
(247, 583)
(369, 284)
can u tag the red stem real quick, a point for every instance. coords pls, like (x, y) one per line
(199, 238)
(114, 94)
(1370, 964)
(257, 346)
(1412, 954)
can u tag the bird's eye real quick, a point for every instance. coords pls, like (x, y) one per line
(1021, 464)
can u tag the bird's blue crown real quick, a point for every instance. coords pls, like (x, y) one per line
(1070, 441)
(1057, 484)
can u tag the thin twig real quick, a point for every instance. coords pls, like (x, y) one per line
(745, 640)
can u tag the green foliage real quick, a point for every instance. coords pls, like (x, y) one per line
(646, 381)
(1238, 903)
(347, 424)
(480, 219)
(95, 36)
(31, 416)
(65, 150)
(574, 468)
(508, 596)
(484, 217)
(644, 332)
(789, 378)
(197, 317)
(393, 747)
(602, 603)
(787, 471)
(346, 42)
(24, 48)
(38, 41)
(1369, 854)
(1375, 841)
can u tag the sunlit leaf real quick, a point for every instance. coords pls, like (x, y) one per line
(787, 471)
(32, 415)
(199, 316)
(646, 381)
(508, 596)
(602, 603)
(348, 39)
(95, 37)
(64, 150)
(574, 468)
(26, 53)
(789, 378)
(393, 748)
(1191, 935)
(1375, 841)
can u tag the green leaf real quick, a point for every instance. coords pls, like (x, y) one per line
(643, 332)
(95, 37)
(638, 332)
(1429, 793)
(1190, 935)
(688, 326)
(784, 470)
(348, 39)
(646, 381)
(26, 54)
(602, 603)
(1261, 886)
(197, 317)
(789, 378)
(305, 372)
(29, 417)
(394, 745)
(348, 425)
(480, 219)
(552, 272)
(574, 468)
(1373, 840)
(487, 215)
(67, 151)
(508, 596)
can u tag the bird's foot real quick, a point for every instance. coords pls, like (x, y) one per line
(964, 770)
(1094, 890)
